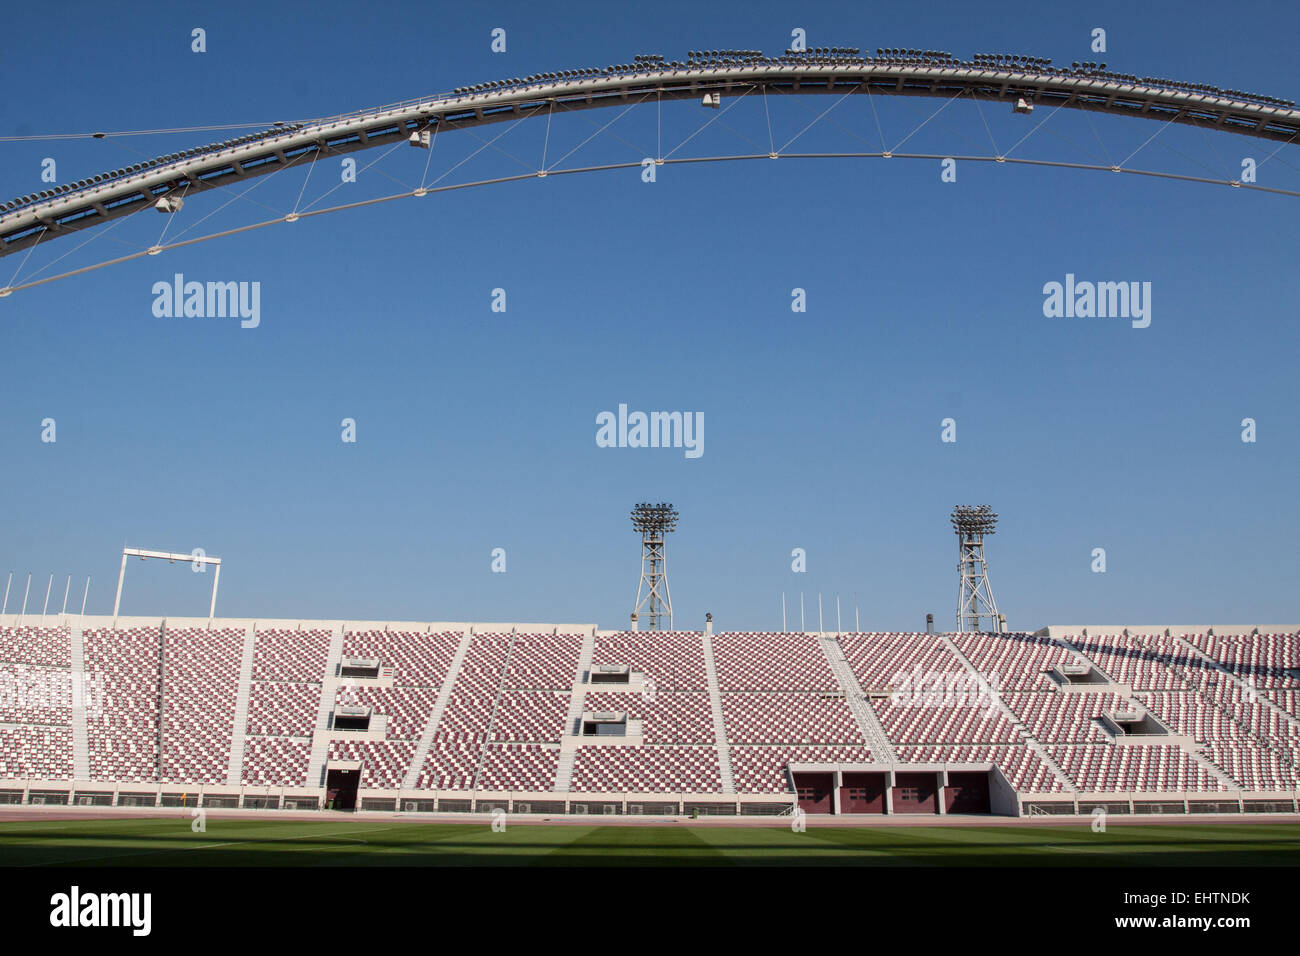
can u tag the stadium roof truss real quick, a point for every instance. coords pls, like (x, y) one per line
(165, 182)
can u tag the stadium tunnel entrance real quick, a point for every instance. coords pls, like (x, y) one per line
(967, 792)
(341, 788)
(855, 789)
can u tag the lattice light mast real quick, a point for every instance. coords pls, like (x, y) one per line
(975, 598)
(653, 522)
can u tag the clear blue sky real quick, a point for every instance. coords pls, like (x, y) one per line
(476, 430)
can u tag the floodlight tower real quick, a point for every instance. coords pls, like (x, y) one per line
(653, 522)
(975, 598)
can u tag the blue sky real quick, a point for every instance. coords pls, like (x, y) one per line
(476, 430)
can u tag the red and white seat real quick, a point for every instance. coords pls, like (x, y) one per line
(282, 709)
(761, 661)
(789, 719)
(763, 769)
(383, 762)
(276, 761)
(414, 658)
(647, 769)
(1133, 769)
(667, 717)
(47, 646)
(285, 655)
(671, 660)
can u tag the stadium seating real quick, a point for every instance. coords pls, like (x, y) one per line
(1286, 699)
(1229, 702)
(452, 764)
(543, 661)
(407, 708)
(533, 716)
(519, 767)
(956, 722)
(671, 660)
(1195, 715)
(1266, 660)
(779, 718)
(414, 657)
(35, 694)
(1013, 662)
(1145, 662)
(123, 736)
(753, 661)
(648, 769)
(1064, 717)
(284, 655)
(282, 709)
(668, 717)
(383, 762)
(201, 681)
(892, 661)
(1253, 767)
(1153, 769)
(36, 752)
(763, 769)
(276, 761)
(47, 646)
(1021, 766)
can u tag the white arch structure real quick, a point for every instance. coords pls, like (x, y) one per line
(1021, 82)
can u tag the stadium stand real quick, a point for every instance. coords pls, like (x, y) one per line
(453, 717)
(764, 662)
(282, 708)
(781, 718)
(649, 769)
(123, 738)
(200, 680)
(763, 769)
(669, 717)
(673, 660)
(42, 753)
(45, 646)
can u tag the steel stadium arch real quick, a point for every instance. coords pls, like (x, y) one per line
(1022, 82)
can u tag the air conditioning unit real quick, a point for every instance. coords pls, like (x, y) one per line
(637, 809)
(420, 139)
(523, 808)
(577, 808)
(610, 809)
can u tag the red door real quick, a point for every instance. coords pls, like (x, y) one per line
(915, 793)
(862, 793)
(814, 790)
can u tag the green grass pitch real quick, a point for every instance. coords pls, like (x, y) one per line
(170, 841)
